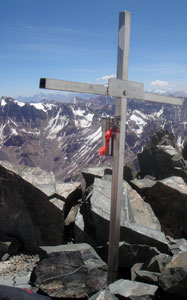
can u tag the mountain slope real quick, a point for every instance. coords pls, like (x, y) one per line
(65, 137)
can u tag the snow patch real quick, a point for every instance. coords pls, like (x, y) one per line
(139, 122)
(14, 132)
(160, 112)
(180, 143)
(95, 136)
(3, 102)
(1, 130)
(39, 106)
(78, 112)
(43, 106)
(56, 124)
(19, 103)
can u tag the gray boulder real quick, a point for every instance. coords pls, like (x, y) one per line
(161, 158)
(74, 272)
(63, 195)
(26, 214)
(157, 263)
(133, 208)
(132, 254)
(138, 222)
(174, 276)
(146, 276)
(168, 199)
(178, 246)
(150, 270)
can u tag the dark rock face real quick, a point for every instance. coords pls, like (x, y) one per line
(26, 214)
(168, 199)
(161, 158)
(72, 273)
(174, 276)
(132, 254)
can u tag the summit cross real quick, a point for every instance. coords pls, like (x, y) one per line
(121, 89)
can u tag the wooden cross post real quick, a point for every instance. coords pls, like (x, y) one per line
(121, 89)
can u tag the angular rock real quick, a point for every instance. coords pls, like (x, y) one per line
(96, 217)
(133, 290)
(103, 295)
(133, 206)
(90, 174)
(132, 254)
(161, 158)
(134, 269)
(157, 263)
(72, 273)
(146, 276)
(26, 214)
(142, 184)
(174, 276)
(134, 233)
(178, 246)
(129, 254)
(168, 199)
(150, 270)
(63, 195)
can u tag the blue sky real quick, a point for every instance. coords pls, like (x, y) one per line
(77, 40)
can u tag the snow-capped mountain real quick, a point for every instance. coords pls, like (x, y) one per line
(65, 137)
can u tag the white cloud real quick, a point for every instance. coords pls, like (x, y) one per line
(106, 77)
(159, 83)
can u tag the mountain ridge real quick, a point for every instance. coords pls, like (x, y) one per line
(65, 137)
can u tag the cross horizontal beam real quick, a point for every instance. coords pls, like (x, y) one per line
(72, 86)
(116, 88)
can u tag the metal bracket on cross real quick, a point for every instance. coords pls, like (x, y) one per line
(122, 89)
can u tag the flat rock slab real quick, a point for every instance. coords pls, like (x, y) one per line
(134, 233)
(133, 206)
(75, 271)
(128, 289)
(103, 295)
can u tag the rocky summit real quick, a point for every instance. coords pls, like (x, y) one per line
(54, 236)
(65, 137)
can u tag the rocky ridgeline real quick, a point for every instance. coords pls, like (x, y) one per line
(69, 229)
